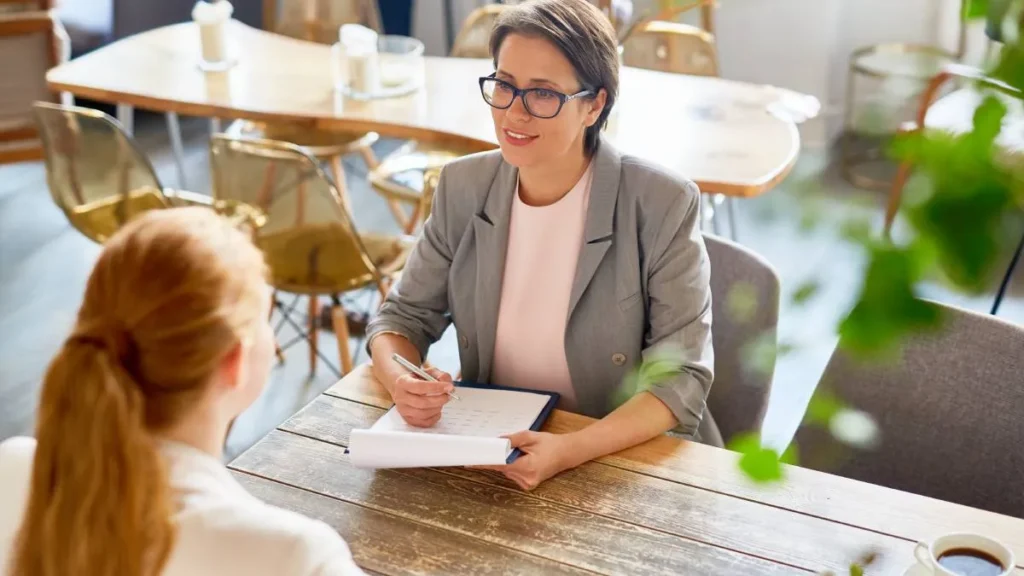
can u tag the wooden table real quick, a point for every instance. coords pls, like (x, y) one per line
(667, 506)
(730, 137)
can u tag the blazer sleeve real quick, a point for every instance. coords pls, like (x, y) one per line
(417, 305)
(679, 316)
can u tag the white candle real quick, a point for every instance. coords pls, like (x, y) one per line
(213, 18)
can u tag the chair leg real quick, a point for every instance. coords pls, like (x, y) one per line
(314, 314)
(716, 226)
(1006, 277)
(369, 157)
(277, 345)
(730, 205)
(340, 322)
(174, 131)
(338, 172)
(895, 195)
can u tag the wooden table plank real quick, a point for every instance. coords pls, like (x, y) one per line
(387, 544)
(492, 514)
(876, 508)
(730, 137)
(724, 521)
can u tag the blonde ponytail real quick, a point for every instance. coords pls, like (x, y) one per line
(112, 514)
(170, 296)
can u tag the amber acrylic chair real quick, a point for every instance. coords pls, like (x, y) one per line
(308, 237)
(96, 174)
(317, 21)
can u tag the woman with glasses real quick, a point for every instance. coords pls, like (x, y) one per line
(561, 262)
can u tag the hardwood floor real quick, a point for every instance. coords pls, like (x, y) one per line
(44, 263)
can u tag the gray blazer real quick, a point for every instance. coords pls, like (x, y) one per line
(642, 280)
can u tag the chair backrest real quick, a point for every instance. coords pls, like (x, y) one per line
(28, 48)
(745, 295)
(96, 173)
(949, 412)
(319, 20)
(11, 6)
(308, 238)
(671, 47)
(473, 40)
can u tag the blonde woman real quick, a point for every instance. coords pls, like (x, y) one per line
(171, 344)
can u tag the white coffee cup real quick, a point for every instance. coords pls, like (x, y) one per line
(928, 554)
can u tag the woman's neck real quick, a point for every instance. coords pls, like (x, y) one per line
(547, 183)
(203, 428)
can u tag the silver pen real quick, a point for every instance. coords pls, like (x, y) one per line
(419, 372)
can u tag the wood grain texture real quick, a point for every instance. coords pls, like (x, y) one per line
(387, 544)
(493, 514)
(876, 508)
(717, 132)
(720, 520)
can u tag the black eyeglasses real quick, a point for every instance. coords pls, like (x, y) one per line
(539, 102)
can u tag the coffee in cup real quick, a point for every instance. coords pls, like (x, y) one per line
(965, 555)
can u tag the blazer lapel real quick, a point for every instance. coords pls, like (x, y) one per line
(490, 228)
(597, 232)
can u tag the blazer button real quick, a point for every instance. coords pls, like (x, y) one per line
(618, 359)
(463, 341)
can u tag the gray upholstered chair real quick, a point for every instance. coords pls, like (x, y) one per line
(745, 313)
(950, 413)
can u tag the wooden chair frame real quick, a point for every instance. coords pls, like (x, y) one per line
(24, 24)
(270, 9)
(930, 95)
(34, 5)
(669, 13)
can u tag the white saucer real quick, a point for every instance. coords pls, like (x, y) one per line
(916, 569)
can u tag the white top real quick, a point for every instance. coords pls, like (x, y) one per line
(222, 529)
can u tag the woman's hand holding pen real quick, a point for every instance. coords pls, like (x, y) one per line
(419, 401)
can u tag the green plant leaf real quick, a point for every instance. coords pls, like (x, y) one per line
(887, 307)
(660, 365)
(805, 291)
(973, 9)
(824, 405)
(760, 464)
(1010, 66)
(741, 302)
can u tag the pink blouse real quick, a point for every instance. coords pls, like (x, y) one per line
(540, 264)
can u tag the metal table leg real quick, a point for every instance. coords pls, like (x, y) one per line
(126, 116)
(174, 130)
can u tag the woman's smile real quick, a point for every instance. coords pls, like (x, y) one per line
(517, 138)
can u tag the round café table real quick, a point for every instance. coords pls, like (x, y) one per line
(733, 138)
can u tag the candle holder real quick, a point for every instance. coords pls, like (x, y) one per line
(396, 69)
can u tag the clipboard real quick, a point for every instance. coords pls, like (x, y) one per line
(469, 433)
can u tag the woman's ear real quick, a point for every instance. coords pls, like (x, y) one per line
(596, 107)
(231, 367)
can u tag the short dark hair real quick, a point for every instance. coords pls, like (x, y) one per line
(582, 33)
